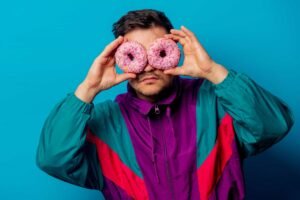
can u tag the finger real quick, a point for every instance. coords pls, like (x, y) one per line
(169, 36)
(112, 46)
(123, 77)
(181, 34)
(188, 33)
(192, 36)
(181, 40)
(178, 32)
(175, 71)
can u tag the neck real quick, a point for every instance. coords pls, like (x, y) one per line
(152, 98)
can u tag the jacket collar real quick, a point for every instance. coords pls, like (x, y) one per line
(144, 106)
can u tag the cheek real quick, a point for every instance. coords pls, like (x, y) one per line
(166, 79)
(135, 84)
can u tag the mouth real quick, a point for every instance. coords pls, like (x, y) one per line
(148, 79)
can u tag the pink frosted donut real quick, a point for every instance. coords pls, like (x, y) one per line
(131, 57)
(163, 54)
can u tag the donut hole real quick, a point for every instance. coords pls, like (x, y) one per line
(130, 56)
(162, 53)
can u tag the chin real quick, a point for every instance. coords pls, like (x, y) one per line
(150, 90)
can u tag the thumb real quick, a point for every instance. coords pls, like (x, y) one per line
(174, 71)
(122, 77)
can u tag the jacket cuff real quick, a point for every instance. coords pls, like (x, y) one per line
(227, 81)
(85, 107)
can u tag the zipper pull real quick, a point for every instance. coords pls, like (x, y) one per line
(156, 109)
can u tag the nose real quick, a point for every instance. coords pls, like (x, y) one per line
(148, 68)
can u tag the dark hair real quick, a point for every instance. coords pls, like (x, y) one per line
(145, 18)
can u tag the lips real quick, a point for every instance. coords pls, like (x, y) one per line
(149, 78)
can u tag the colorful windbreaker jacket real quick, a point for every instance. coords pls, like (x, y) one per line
(189, 145)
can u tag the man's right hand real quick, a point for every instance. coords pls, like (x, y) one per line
(102, 75)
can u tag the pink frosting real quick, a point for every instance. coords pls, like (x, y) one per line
(163, 54)
(131, 56)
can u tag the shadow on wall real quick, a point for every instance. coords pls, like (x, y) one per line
(269, 177)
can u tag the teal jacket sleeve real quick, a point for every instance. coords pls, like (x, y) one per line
(260, 119)
(63, 151)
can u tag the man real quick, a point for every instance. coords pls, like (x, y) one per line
(168, 138)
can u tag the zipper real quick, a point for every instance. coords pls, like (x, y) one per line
(156, 109)
(167, 167)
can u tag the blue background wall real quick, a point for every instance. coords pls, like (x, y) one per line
(47, 47)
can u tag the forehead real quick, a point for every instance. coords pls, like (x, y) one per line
(145, 36)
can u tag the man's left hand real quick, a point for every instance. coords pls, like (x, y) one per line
(197, 63)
